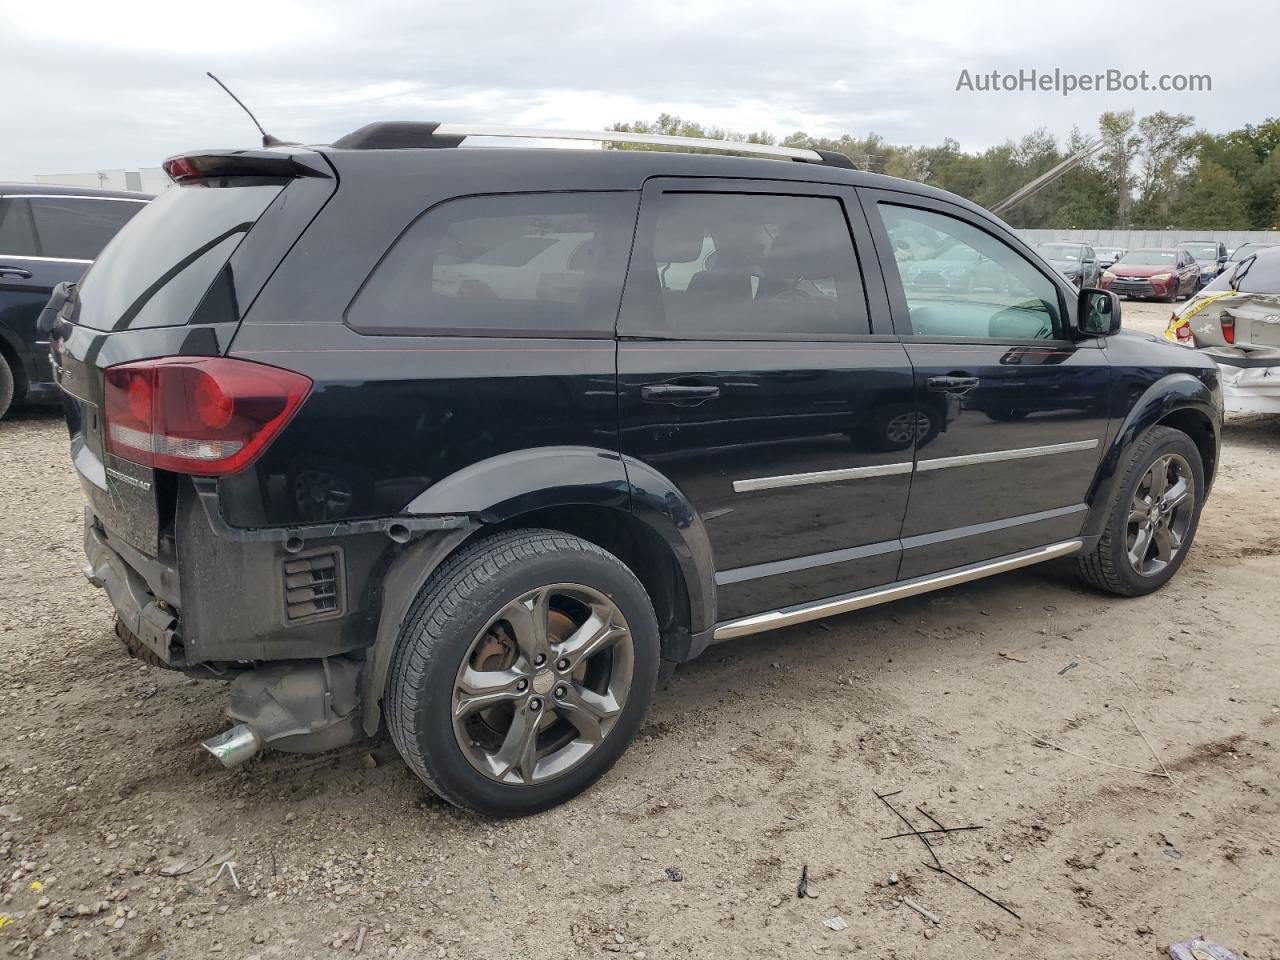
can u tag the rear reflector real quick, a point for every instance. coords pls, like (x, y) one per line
(209, 416)
(1228, 325)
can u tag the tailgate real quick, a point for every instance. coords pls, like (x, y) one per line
(175, 281)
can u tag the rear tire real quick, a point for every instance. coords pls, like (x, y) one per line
(1134, 528)
(6, 386)
(487, 721)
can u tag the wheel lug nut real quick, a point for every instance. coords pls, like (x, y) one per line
(539, 660)
(535, 704)
(561, 691)
(563, 664)
(522, 685)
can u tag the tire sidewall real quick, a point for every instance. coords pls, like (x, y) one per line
(431, 721)
(1174, 442)
(8, 384)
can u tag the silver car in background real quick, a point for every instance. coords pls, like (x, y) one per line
(1236, 321)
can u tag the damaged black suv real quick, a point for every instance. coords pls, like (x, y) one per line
(472, 445)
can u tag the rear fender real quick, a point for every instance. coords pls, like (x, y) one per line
(503, 488)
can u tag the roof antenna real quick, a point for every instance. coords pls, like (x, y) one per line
(267, 139)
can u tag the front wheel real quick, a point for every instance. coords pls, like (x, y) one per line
(523, 671)
(1153, 519)
(6, 386)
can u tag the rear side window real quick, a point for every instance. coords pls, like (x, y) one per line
(1259, 275)
(747, 265)
(75, 228)
(159, 266)
(17, 239)
(533, 264)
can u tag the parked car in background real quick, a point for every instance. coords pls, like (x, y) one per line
(1162, 273)
(1248, 249)
(1108, 255)
(1211, 256)
(1076, 261)
(48, 234)
(1236, 321)
(319, 470)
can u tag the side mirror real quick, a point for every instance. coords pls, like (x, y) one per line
(1099, 312)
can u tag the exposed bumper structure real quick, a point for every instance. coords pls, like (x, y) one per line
(1253, 389)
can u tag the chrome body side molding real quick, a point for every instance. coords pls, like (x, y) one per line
(801, 613)
(994, 456)
(821, 476)
(891, 469)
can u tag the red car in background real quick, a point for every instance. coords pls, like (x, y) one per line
(1163, 273)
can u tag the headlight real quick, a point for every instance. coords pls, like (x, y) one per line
(1163, 276)
(1108, 274)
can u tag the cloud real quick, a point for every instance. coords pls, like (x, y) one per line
(123, 85)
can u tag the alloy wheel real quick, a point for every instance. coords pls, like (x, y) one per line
(1160, 515)
(543, 684)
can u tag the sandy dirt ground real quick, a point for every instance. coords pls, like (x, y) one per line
(758, 760)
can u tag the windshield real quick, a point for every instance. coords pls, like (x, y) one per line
(158, 267)
(1150, 258)
(1060, 251)
(1201, 251)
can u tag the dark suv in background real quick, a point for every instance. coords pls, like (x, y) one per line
(48, 234)
(472, 445)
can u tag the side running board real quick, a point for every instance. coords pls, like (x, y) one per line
(800, 613)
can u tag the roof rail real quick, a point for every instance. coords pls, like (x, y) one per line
(404, 135)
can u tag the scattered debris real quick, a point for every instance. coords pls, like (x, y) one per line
(923, 911)
(802, 888)
(230, 867)
(1165, 769)
(180, 868)
(360, 940)
(1172, 852)
(836, 923)
(1070, 666)
(918, 833)
(937, 866)
(673, 874)
(1198, 948)
(1009, 656)
(1084, 756)
(893, 878)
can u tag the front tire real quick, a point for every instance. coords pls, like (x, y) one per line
(1153, 520)
(6, 386)
(523, 671)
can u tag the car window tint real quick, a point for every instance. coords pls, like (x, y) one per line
(16, 236)
(78, 229)
(998, 293)
(1262, 275)
(748, 265)
(534, 263)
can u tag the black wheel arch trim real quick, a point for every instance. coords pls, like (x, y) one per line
(1176, 393)
(501, 489)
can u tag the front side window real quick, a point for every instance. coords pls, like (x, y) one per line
(534, 264)
(960, 281)
(76, 228)
(747, 265)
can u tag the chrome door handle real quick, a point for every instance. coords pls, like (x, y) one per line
(19, 273)
(675, 392)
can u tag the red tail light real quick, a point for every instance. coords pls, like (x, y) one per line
(209, 416)
(1228, 325)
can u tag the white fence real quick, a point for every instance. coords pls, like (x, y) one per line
(1137, 239)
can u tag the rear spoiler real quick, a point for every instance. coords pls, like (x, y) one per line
(273, 164)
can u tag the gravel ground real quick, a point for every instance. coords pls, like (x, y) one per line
(758, 760)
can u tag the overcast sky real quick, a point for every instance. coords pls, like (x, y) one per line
(93, 85)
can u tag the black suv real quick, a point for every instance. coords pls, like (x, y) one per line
(48, 235)
(474, 444)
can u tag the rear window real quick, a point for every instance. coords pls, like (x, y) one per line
(537, 264)
(1261, 274)
(159, 266)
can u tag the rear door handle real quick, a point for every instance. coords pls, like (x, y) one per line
(675, 392)
(18, 272)
(951, 384)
